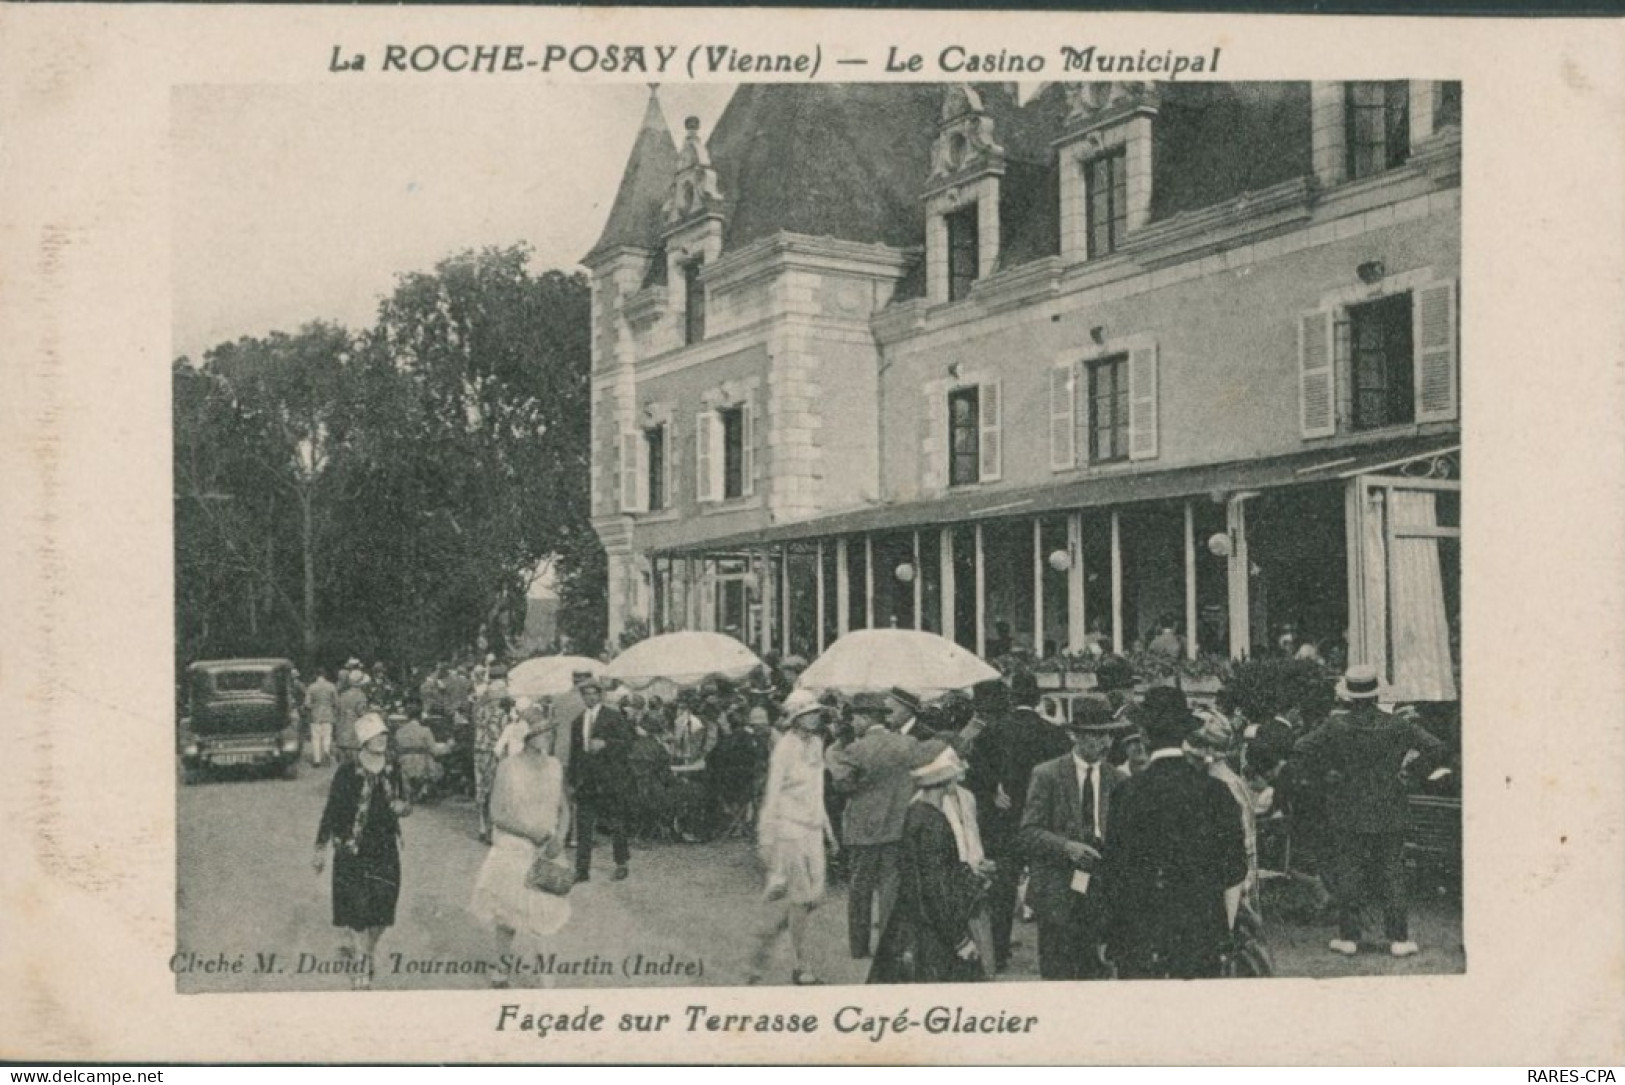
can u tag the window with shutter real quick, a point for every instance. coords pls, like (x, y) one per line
(1062, 410)
(1317, 415)
(1434, 342)
(990, 464)
(1142, 405)
(705, 483)
(630, 460)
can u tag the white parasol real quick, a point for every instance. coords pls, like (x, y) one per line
(682, 659)
(878, 659)
(547, 676)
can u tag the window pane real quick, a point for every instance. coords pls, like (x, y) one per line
(963, 436)
(1397, 122)
(733, 452)
(1106, 202)
(656, 438)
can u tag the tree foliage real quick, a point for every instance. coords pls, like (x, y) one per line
(419, 473)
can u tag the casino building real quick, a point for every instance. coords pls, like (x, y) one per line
(1117, 358)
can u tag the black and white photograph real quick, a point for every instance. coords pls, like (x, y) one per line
(572, 535)
(840, 533)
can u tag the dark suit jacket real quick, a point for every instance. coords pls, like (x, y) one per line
(1176, 844)
(1052, 818)
(603, 774)
(1356, 757)
(1027, 741)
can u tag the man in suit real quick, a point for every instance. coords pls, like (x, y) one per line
(567, 709)
(600, 740)
(1175, 859)
(1364, 758)
(1063, 825)
(997, 815)
(873, 771)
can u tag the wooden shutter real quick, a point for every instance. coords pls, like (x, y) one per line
(674, 460)
(747, 449)
(1433, 335)
(1063, 450)
(631, 477)
(989, 408)
(1142, 402)
(705, 430)
(1317, 412)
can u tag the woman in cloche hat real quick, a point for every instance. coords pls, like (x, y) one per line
(529, 817)
(792, 830)
(929, 936)
(362, 820)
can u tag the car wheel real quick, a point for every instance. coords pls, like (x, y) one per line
(191, 774)
(290, 771)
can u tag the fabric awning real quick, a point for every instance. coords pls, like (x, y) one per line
(1299, 468)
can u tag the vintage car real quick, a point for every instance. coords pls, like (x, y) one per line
(240, 712)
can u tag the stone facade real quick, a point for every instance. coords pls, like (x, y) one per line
(1225, 316)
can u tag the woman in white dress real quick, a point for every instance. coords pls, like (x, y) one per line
(530, 816)
(792, 832)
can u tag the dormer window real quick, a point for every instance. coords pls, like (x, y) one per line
(962, 197)
(964, 251)
(1105, 151)
(1376, 118)
(693, 302)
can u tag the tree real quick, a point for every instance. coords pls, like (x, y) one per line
(256, 428)
(391, 495)
(484, 439)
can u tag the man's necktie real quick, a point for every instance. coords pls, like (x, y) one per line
(1089, 826)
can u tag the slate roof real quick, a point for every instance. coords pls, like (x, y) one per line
(634, 218)
(851, 161)
(826, 160)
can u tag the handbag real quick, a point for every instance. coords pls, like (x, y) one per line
(550, 876)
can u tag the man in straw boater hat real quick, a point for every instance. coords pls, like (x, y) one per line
(1363, 757)
(873, 771)
(1070, 807)
(1174, 858)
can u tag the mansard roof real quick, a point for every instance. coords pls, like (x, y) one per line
(852, 161)
(827, 160)
(634, 218)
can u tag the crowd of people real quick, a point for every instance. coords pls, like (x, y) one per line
(1129, 825)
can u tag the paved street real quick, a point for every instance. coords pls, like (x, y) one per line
(246, 889)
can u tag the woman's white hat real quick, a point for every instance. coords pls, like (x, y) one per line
(944, 768)
(369, 727)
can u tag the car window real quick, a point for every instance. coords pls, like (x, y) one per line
(244, 681)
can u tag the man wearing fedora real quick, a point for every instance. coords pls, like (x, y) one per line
(1364, 758)
(1070, 805)
(1175, 858)
(873, 772)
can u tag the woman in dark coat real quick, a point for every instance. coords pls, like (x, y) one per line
(943, 890)
(362, 821)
